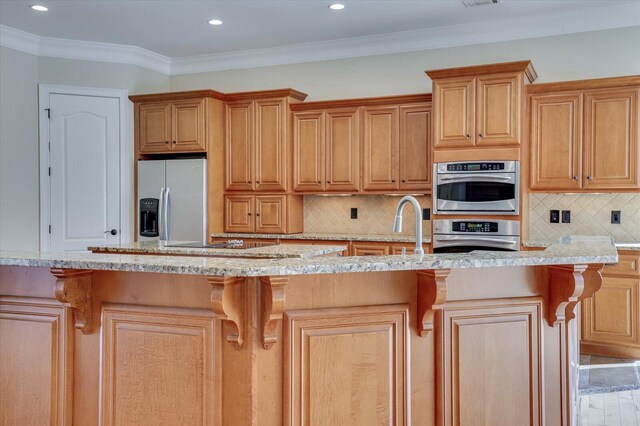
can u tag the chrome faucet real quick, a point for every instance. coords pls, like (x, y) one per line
(397, 223)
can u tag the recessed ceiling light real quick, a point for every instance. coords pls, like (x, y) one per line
(39, 8)
(336, 6)
(215, 22)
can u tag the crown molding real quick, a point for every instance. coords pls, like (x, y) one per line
(83, 50)
(591, 19)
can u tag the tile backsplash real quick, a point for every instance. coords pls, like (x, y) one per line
(332, 214)
(590, 215)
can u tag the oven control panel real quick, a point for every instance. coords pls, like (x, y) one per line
(474, 226)
(474, 167)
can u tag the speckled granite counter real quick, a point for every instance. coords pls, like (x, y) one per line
(620, 245)
(391, 238)
(567, 250)
(276, 251)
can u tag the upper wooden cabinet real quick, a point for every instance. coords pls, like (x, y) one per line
(479, 106)
(415, 149)
(257, 140)
(154, 130)
(585, 139)
(381, 149)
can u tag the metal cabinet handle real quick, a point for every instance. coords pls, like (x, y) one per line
(248, 214)
(468, 136)
(166, 142)
(318, 181)
(575, 178)
(257, 181)
(112, 231)
(590, 178)
(481, 135)
(393, 180)
(404, 181)
(327, 181)
(257, 214)
(174, 142)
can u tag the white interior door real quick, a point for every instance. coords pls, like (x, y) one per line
(84, 132)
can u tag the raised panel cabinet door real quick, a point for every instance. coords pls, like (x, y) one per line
(347, 366)
(415, 147)
(239, 146)
(556, 141)
(270, 214)
(498, 110)
(380, 149)
(453, 108)
(188, 125)
(157, 366)
(611, 140)
(343, 150)
(308, 151)
(369, 249)
(271, 144)
(239, 213)
(611, 314)
(155, 127)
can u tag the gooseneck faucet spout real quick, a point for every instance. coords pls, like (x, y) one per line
(397, 223)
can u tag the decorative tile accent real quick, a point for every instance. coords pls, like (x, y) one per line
(590, 215)
(332, 214)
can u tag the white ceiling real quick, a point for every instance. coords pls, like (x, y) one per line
(179, 28)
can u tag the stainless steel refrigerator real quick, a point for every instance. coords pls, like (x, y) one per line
(172, 200)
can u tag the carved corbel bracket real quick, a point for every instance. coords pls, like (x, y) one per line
(73, 289)
(432, 293)
(566, 289)
(272, 299)
(228, 302)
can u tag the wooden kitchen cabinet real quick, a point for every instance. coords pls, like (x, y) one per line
(585, 139)
(453, 121)
(308, 151)
(362, 248)
(380, 149)
(415, 147)
(154, 130)
(239, 146)
(263, 214)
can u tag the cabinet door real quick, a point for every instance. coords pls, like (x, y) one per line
(239, 146)
(380, 153)
(415, 147)
(155, 127)
(611, 140)
(238, 215)
(498, 110)
(369, 249)
(308, 151)
(556, 141)
(343, 150)
(188, 125)
(270, 145)
(454, 101)
(270, 214)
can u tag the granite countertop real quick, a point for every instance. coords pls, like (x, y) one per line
(276, 251)
(391, 238)
(620, 245)
(567, 250)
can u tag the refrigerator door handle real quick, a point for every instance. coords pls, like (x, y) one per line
(166, 214)
(160, 210)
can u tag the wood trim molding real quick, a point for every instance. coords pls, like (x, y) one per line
(432, 293)
(504, 67)
(228, 303)
(74, 290)
(266, 94)
(272, 301)
(362, 102)
(172, 96)
(596, 83)
(566, 289)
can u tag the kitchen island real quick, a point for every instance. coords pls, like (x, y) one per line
(477, 338)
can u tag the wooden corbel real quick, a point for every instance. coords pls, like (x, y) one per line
(566, 289)
(432, 293)
(272, 298)
(73, 289)
(228, 302)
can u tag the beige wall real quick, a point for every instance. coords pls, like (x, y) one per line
(20, 74)
(568, 57)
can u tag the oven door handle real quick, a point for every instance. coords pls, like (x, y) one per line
(481, 240)
(475, 178)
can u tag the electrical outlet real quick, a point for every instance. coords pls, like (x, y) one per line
(426, 214)
(354, 212)
(566, 216)
(554, 216)
(616, 217)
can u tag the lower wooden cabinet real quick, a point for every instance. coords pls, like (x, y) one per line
(369, 249)
(611, 318)
(263, 214)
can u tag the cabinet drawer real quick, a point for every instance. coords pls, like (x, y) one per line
(627, 264)
(369, 249)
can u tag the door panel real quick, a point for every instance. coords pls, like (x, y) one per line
(270, 214)
(343, 150)
(85, 171)
(239, 211)
(498, 110)
(611, 139)
(380, 153)
(369, 249)
(308, 151)
(556, 141)
(239, 146)
(270, 145)
(611, 314)
(454, 124)
(155, 127)
(186, 200)
(188, 125)
(415, 147)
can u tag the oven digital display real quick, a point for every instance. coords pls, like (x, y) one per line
(474, 167)
(468, 226)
